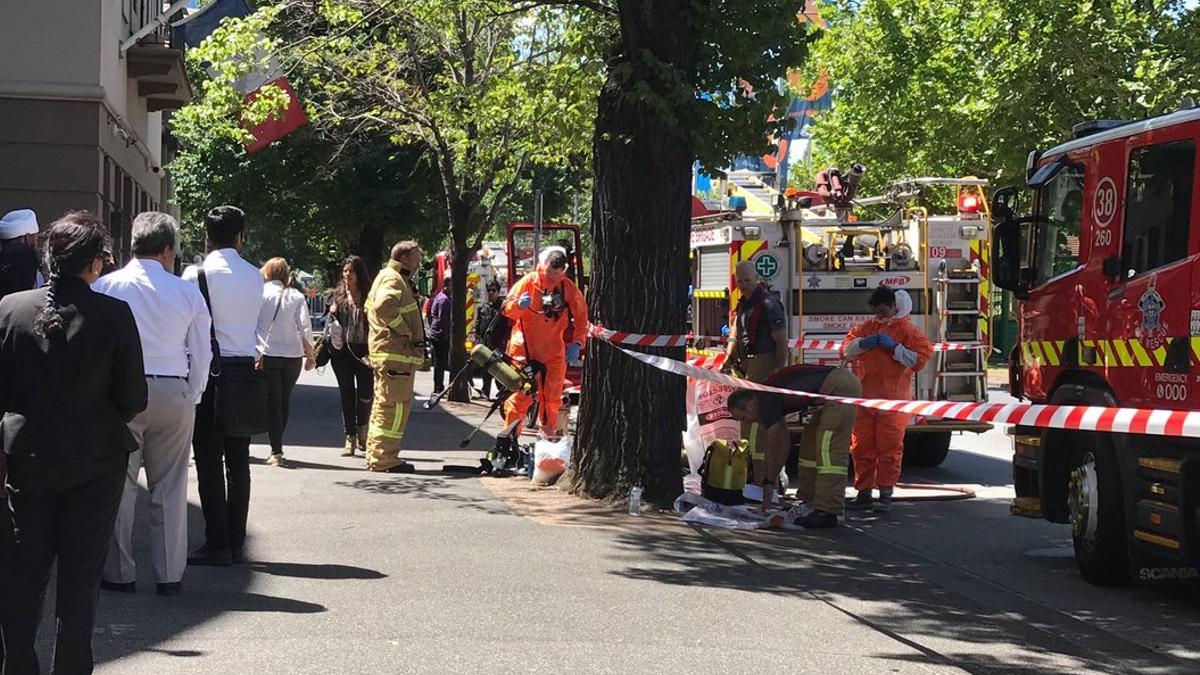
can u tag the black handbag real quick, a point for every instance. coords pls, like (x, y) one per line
(240, 399)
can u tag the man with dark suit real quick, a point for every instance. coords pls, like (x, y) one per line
(73, 378)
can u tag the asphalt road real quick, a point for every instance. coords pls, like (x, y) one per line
(353, 573)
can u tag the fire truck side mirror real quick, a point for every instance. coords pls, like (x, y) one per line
(1004, 204)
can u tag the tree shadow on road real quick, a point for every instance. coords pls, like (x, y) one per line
(948, 617)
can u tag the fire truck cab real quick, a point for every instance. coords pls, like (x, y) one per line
(1105, 261)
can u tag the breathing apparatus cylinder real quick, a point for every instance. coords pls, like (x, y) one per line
(504, 373)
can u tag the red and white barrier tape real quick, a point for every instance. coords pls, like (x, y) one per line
(1183, 423)
(647, 340)
(706, 360)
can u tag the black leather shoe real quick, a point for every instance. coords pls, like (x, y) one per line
(174, 588)
(206, 557)
(402, 467)
(115, 587)
(238, 555)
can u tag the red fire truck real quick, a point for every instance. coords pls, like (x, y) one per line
(1105, 260)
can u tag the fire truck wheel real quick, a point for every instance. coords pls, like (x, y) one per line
(1097, 522)
(926, 449)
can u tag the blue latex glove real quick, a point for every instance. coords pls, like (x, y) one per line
(573, 350)
(869, 342)
(886, 342)
(525, 301)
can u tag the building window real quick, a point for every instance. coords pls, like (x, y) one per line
(1060, 210)
(1158, 206)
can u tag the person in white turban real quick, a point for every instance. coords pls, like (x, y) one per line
(18, 252)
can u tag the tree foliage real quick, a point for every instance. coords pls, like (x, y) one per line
(310, 197)
(935, 87)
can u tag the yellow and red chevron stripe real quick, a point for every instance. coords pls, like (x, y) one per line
(979, 251)
(1118, 353)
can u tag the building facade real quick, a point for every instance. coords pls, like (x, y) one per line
(84, 85)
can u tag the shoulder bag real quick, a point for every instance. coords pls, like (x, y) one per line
(240, 396)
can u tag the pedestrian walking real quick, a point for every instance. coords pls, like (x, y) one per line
(348, 353)
(285, 343)
(884, 352)
(174, 325)
(491, 329)
(233, 289)
(397, 340)
(18, 252)
(73, 377)
(440, 332)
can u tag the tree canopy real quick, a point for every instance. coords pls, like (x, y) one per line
(935, 87)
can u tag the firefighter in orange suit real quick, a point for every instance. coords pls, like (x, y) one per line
(397, 352)
(883, 352)
(541, 306)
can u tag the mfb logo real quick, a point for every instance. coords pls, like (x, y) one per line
(1168, 573)
(895, 281)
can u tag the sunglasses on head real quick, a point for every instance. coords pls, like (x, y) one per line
(558, 265)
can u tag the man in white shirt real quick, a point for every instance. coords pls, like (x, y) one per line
(223, 462)
(174, 327)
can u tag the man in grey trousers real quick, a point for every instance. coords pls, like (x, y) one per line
(173, 323)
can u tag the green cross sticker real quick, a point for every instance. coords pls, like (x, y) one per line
(766, 265)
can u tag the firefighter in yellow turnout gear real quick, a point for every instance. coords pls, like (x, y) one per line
(824, 443)
(397, 352)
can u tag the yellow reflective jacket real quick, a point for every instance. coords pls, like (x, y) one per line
(397, 334)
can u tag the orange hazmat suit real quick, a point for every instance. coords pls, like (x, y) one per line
(877, 444)
(542, 336)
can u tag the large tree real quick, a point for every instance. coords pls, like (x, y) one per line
(687, 80)
(938, 87)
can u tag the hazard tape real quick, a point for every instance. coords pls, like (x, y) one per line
(702, 359)
(1179, 423)
(648, 340)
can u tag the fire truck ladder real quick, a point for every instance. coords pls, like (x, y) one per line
(961, 374)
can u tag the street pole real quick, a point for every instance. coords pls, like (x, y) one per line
(537, 225)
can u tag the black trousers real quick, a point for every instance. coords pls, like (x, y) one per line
(282, 373)
(49, 519)
(223, 478)
(485, 382)
(356, 384)
(441, 363)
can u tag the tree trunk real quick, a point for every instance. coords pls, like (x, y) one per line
(460, 390)
(370, 244)
(632, 415)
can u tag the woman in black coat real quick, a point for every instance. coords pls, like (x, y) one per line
(71, 377)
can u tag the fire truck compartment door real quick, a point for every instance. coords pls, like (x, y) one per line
(714, 268)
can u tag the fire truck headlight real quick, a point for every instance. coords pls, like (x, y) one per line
(751, 231)
(969, 231)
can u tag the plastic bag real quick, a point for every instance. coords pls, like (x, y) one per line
(550, 459)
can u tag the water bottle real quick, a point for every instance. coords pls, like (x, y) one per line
(635, 500)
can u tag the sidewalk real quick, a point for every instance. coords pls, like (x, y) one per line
(353, 572)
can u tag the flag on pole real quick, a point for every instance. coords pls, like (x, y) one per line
(194, 29)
